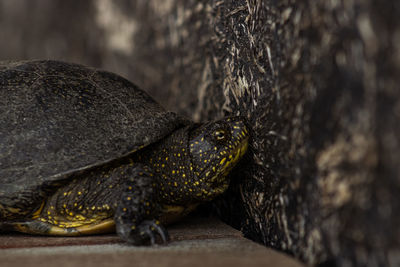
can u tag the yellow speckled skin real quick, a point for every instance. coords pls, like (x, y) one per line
(170, 166)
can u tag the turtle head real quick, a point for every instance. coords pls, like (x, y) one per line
(215, 148)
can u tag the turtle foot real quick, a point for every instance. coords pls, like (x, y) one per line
(148, 231)
(138, 209)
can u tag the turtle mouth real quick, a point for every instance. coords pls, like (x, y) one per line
(226, 164)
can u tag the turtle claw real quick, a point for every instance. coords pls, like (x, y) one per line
(147, 231)
(161, 231)
(150, 229)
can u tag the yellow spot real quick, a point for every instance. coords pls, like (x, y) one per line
(205, 161)
(124, 209)
(179, 154)
(65, 193)
(79, 193)
(222, 161)
(173, 172)
(162, 165)
(166, 158)
(128, 198)
(183, 175)
(71, 214)
(75, 204)
(93, 208)
(130, 187)
(175, 184)
(65, 206)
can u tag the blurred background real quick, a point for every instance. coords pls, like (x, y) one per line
(112, 35)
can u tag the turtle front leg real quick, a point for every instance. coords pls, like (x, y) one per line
(137, 212)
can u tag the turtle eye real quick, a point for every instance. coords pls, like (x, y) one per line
(219, 135)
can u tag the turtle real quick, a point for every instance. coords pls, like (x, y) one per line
(84, 151)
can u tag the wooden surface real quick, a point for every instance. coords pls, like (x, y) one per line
(194, 242)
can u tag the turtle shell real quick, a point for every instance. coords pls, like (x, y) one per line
(58, 118)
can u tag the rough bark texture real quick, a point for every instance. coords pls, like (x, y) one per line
(317, 80)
